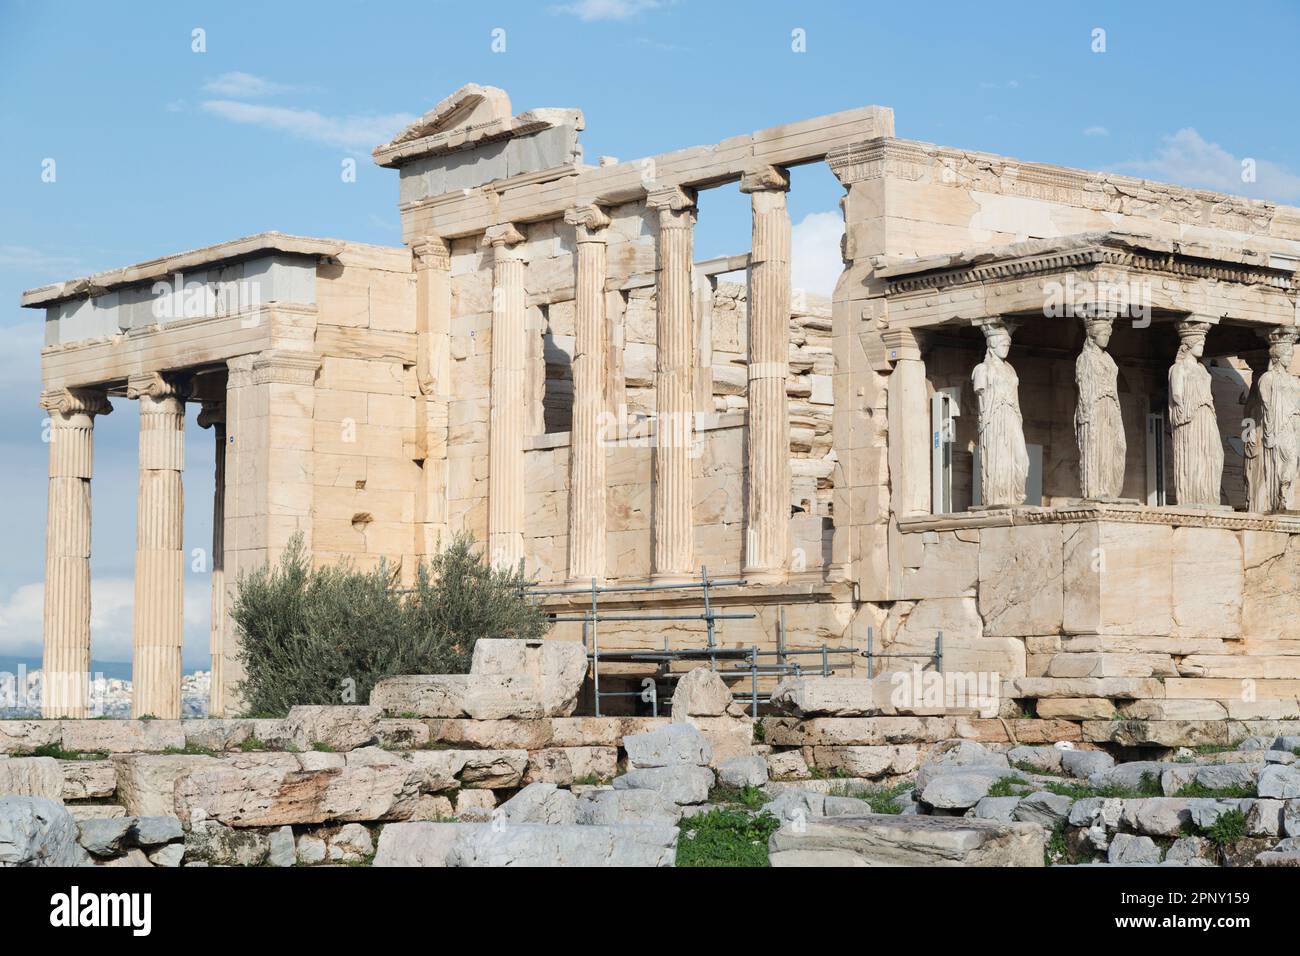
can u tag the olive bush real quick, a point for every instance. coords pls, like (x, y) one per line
(326, 636)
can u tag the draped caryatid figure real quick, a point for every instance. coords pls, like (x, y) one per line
(1198, 449)
(1004, 461)
(1272, 475)
(1098, 425)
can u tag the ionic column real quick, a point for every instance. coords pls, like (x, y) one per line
(506, 418)
(586, 449)
(213, 416)
(767, 504)
(673, 530)
(908, 423)
(66, 666)
(159, 558)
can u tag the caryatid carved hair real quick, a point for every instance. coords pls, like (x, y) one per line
(1198, 447)
(1098, 422)
(1004, 460)
(1276, 430)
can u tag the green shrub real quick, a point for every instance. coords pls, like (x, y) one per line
(326, 636)
(1228, 829)
(725, 838)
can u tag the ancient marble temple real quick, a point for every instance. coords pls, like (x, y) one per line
(1049, 413)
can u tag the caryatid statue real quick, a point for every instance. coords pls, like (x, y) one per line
(1252, 445)
(1278, 408)
(1198, 449)
(1098, 424)
(1004, 462)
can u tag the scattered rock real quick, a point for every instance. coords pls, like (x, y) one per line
(671, 746)
(1044, 808)
(540, 803)
(104, 836)
(1128, 850)
(567, 846)
(1279, 782)
(682, 784)
(886, 840)
(37, 831)
(741, 772)
(612, 807)
(280, 848)
(701, 693)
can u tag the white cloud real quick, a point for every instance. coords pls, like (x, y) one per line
(815, 263)
(111, 602)
(27, 259)
(1096, 131)
(1189, 159)
(589, 10)
(356, 133)
(245, 85)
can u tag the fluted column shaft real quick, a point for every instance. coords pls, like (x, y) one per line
(214, 416)
(586, 449)
(159, 557)
(66, 665)
(506, 416)
(673, 524)
(767, 502)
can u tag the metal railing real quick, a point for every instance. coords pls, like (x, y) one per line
(744, 662)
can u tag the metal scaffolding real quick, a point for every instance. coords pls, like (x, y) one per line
(745, 662)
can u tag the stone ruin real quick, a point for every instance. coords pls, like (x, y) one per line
(1043, 434)
(850, 776)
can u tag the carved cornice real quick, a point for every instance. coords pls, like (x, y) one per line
(1089, 512)
(212, 413)
(765, 178)
(589, 221)
(76, 401)
(670, 199)
(1172, 265)
(157, 386)
(501, 235)
(431, 252)
(285, 368)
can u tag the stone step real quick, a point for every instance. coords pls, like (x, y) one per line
(1117, 688)
(1111, 665)
(1240, 666)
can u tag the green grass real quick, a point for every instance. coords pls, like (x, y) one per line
(1216, 748)
(725, 838)
(191, 750)
(1296, 751)
(880, 797)
(749, 797)
(58, 753)
(321, 747)
(1056, 850)
(590, 780)
(1003, 788)
(1195, 789)
(1148, 787)
(1229, 828)
(251, 744)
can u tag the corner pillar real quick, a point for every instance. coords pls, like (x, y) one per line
(66, 664)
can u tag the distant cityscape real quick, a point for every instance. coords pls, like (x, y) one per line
(110, 696)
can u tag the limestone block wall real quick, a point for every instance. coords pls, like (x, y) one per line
(363, 423)
(1202, 602)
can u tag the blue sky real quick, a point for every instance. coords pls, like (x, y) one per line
(159, 148)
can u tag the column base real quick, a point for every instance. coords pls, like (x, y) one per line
(765, 575)
(674, 577)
